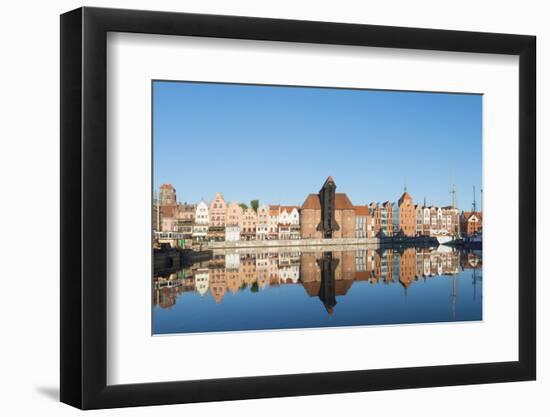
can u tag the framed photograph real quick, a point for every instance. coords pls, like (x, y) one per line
(257, 207)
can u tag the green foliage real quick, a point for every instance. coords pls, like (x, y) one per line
(254, 287)
(255, 204)
(243, 206)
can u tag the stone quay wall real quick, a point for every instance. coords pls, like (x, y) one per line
(293, 243)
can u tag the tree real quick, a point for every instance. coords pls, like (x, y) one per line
(255, 204)
(243, 206)
(254, 287)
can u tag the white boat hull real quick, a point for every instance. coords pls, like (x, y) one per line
(444, 239)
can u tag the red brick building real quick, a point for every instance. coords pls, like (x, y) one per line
(471, 222)
(407, 215)
(344, 215)
(167, 195)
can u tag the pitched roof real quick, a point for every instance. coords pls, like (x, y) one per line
(362, 210)
(342, 202)
(312, 202)
(405, 196)
(289, 208)
(362, 276)
(468, 214)
(234, 204)
(341, 287)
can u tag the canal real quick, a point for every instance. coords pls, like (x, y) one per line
(289, 289)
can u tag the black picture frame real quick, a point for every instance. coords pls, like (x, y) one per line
(84, 207)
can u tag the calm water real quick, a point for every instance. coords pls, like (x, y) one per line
(293, 289)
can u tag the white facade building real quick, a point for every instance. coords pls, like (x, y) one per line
(232, 261)
(201, 213)
(289, 223)
(200, 228)
(289, 274)
(289, 215)
(232, 233)
(201, 281)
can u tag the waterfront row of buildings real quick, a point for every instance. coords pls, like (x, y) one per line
(234, 272)
(232, 221)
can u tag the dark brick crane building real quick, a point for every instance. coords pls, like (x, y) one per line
(327, 214)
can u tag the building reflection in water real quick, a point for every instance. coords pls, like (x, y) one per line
(325, 275)
(327, 291)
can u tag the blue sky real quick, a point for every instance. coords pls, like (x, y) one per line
(277, 144)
